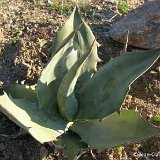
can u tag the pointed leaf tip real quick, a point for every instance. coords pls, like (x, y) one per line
(105, 92)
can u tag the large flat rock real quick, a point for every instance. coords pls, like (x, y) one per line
(143, 25)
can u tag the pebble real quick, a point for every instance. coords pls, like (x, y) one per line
(6, 154)
(20, 157)
(28, 152)
(2, 147)
(43, 152)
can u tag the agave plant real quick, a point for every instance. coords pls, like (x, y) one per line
(74, 105)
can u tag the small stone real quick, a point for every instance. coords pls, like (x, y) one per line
(20, 143)
(1, 83)
(129, 97)
(20, 157)
(2, 147)
(6, 154)
(158, 69)
(98, 15)
(43, 152)
(28, 152)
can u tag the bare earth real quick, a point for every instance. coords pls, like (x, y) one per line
(25, 29)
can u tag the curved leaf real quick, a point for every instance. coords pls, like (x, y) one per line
(52, 75)
(63, 60)
(67, 102)
(104, 93)
(27, 115)
(114, 130)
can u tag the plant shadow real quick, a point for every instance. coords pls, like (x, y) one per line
(11, 72)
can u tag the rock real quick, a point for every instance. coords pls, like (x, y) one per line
(143, 25)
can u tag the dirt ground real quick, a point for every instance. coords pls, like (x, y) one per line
(26, 26)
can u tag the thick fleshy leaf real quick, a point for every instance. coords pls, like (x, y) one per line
(72, 144)
(114, 130)
(63, 60)
(67, 102)
(105, 92)
(52, 75)
(27, 115)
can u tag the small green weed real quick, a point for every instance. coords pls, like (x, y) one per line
(84, 5)
(156, 118)
(65, 7)
(124, 6)
(2, 3)
(148, 87)
(120, 149)
(16, 36)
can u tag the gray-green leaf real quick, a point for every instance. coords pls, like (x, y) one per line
(114, 130)
(104, 93)
(27, 115)
(67, 102)
(52, 75)
(62, 61)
